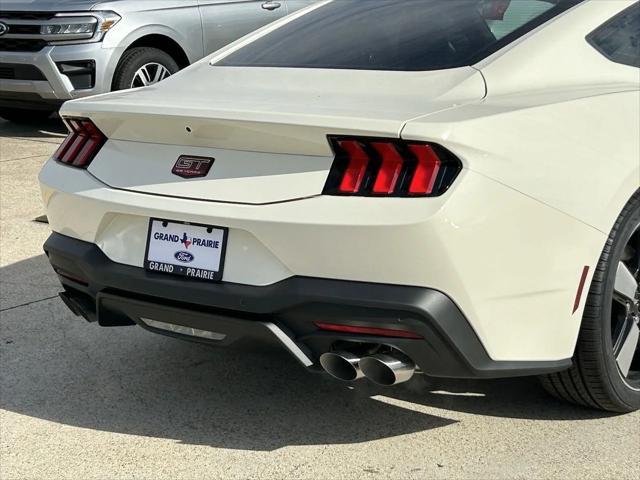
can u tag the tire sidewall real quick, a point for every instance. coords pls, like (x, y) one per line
(621, 389)
(134, 59)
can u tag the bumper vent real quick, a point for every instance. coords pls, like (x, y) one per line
(12, 71)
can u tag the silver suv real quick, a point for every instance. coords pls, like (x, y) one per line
(56, 50)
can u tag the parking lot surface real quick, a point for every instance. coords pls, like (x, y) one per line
(79, 401)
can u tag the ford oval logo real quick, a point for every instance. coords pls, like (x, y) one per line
(3, 28)
(184, 257)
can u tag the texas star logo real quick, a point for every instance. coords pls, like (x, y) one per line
(185, 240)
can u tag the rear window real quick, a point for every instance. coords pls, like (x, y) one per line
(406, 35)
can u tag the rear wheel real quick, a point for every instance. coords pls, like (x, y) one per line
(143, 66)
(20, 115)
(606, 370)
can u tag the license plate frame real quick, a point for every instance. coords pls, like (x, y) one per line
(180, 268)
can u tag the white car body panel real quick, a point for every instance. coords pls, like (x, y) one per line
(583, 186)
(237, 176)
(280, 110)
(502, 242)
(270, 144)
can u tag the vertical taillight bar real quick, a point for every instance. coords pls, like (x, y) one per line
(356, 169)
(390, 168)
(426, 173)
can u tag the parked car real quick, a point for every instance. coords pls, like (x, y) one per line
(52, 51)
(454, 191)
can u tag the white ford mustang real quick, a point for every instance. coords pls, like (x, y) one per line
(382, 187)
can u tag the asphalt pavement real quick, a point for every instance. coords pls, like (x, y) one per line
(79, 401)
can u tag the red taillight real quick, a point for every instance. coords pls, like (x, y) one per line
(375, 331)
(82, 144)
(356, 168)
(427, 170)
(392, 168)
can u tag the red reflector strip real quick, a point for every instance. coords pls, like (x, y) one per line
(390, 169)
(357, 167)
(378, 332)
(424, 178)
(71, 277)
(583, 279)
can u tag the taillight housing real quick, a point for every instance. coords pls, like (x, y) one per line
(82, 144)
(366, 166)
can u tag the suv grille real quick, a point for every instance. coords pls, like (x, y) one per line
(25, 29)
(27, 15)
(21, 45)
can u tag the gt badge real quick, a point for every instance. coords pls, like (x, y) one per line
(192, 167)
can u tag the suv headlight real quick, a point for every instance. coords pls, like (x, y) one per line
(66, 28)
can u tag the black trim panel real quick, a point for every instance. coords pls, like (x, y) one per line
(450, 347)
(21, 71)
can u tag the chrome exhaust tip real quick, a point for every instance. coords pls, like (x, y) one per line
(342, 365)
(388, 368)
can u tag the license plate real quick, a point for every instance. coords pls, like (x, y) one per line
(186, 249)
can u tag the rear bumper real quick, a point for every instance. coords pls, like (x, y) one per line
(116, 294)
(511, 264)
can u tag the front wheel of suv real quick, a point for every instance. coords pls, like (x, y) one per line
(606, 364)
(143, 66)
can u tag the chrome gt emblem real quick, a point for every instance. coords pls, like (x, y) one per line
(192, 167)
(3, 28)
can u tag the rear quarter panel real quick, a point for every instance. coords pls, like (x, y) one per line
(580, 156)
(560, 122)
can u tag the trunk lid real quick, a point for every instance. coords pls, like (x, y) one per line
(266, 128)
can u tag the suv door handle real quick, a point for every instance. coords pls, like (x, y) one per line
(271, 5)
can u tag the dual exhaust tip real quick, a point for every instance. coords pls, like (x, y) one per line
(381, 368)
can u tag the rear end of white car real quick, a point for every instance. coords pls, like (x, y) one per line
(233, 202)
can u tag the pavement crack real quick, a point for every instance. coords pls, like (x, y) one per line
(28, 303)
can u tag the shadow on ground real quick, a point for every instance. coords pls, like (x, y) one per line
(52, 128)
(57, 367)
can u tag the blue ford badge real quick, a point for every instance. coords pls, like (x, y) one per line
(184, 257)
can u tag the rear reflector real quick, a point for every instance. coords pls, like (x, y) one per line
(82, 144)
(375, 331)
(391, 168)
(72, 277)
(583, 279)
